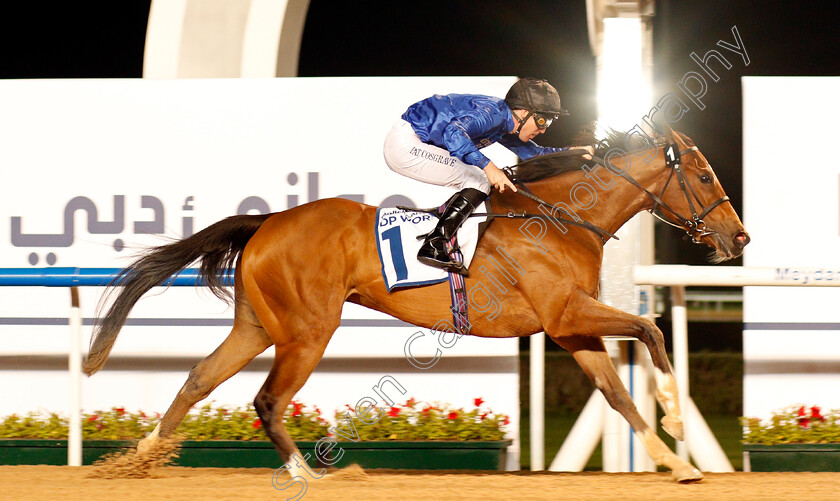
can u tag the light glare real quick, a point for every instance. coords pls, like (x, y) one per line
(623, 88)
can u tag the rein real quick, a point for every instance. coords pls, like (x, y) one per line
(694, 227)
(603, 234)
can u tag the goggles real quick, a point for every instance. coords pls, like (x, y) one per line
(543, 121)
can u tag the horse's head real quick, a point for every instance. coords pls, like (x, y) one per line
(666, 174)
(695, 201)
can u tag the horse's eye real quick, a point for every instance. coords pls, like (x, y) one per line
(705, 179)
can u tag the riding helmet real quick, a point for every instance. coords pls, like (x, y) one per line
(536, 96)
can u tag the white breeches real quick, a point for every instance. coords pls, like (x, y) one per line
(406, 154)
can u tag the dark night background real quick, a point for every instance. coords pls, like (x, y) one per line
(536, 38)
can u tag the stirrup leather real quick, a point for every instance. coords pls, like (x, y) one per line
(436, 250)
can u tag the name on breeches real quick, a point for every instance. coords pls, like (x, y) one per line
(434, 157)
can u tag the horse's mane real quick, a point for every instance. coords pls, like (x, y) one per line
(554, 164)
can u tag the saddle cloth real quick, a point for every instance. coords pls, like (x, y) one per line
(397, 244)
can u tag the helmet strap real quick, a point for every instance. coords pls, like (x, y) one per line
(521, 121)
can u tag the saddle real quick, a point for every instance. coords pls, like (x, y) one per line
(400, 232)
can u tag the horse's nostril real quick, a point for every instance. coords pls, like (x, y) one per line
(742, 239)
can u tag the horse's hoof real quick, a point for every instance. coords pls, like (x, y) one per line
(674, 427)
(145, 446)
(687, 474)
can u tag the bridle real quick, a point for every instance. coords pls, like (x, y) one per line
(695, 227)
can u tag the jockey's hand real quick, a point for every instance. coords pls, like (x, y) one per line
(497, 178)
(589, 151)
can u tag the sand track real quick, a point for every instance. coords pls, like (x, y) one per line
(66, 484)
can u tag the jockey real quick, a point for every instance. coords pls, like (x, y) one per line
(437, 141)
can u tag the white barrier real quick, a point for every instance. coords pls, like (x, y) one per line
(537, 401)
(699, 440)
(74, 437)
(72, 278)
(736, 276)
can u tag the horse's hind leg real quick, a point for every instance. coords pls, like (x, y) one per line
(590, 354)
(246, 340)
(293, 363)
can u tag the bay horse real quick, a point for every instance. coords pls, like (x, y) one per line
(295, 269)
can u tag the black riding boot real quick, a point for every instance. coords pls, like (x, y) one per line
(458, 209)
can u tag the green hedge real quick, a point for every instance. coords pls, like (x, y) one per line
(715, 383)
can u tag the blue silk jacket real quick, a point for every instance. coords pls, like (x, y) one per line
(463, 123)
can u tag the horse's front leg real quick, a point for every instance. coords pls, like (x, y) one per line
(591, 355)
(587, 317)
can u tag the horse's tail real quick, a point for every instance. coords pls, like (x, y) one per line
(216, 247)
